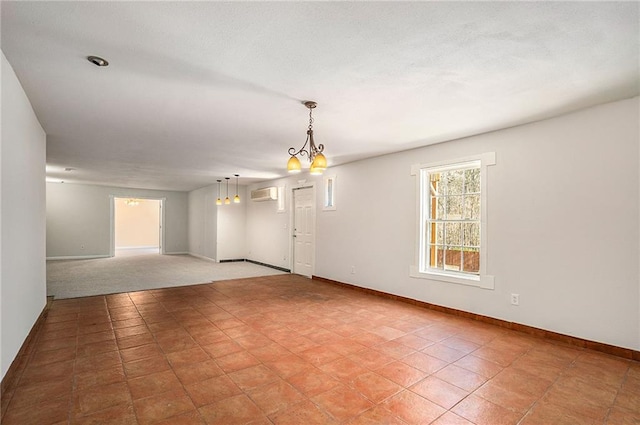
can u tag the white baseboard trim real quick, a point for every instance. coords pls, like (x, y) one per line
(202, 257)
(77, 257)
(175, 253)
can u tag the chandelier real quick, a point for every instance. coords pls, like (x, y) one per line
(314, 153)
(132, 202)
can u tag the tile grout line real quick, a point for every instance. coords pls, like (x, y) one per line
(237, 304)
(28, 359)
(555, 381)
(124, 372)
(70, 415)
(262, 363)
(613, 404)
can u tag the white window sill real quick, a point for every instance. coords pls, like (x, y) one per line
(482, 281)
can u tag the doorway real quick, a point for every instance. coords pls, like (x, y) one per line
(304, 224)
(136, 226)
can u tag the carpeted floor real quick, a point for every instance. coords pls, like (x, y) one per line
(126, 273)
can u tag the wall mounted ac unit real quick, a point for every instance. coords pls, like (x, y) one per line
(265, 194)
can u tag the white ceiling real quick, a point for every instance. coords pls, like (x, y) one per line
(196, 91)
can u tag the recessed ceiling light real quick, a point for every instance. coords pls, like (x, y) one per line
(98, 61)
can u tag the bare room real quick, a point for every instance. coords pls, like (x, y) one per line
(320, 213)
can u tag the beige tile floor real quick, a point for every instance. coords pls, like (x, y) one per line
(287, 350)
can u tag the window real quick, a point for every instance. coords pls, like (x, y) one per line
(452, 221)
(329, 193)
(452, 218)
(281, 203)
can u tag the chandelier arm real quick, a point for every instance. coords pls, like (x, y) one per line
(302, 151)
(313, 150)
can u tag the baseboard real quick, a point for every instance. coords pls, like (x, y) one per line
(233, 260)
(626, 353)
(177, 253)
(282, 269)
(77, 257)
(202, 257)
(11, 379)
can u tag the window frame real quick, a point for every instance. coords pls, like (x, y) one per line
(329, 188)
(281, 203)
(421, 270)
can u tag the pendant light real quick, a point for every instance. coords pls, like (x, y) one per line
(317, 159)
(219, 201)
(227, 201)
(236, 199)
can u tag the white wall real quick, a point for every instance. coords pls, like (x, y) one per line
(23, 276)
(79, 215)
(563, 225)
(203, 222)
(231, 240)
(268, 230)
(217, 232)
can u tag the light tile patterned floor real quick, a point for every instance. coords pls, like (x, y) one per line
(287, 350)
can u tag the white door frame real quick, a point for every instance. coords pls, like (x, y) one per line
(292, 221)
(112, 218)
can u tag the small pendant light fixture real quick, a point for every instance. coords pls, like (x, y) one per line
(236, 199)
(317, 159)
(227, 201)
(219, 201)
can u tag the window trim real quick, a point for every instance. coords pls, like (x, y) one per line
(282, 206)
(329, 198)
(482, 280)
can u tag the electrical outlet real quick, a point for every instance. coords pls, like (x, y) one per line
(353, 269)
(515, 299)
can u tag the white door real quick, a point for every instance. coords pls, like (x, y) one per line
(303, 231)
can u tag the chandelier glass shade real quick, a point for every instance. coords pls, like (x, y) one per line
(309, 149)
(294, 166)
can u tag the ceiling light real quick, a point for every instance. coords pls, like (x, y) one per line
(314, 153)
(236, 199)
(98, 61)
(219, 201)
(227, 201)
